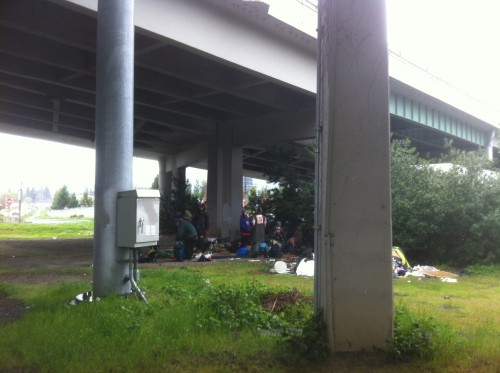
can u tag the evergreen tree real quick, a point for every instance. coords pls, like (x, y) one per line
(61, 199)
(73, 202)
(86, 200)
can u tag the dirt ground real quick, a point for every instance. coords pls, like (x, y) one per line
(39, 261)
(50, 262)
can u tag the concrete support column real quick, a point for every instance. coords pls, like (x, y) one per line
(214, 187)
(353, 281)
(164, 178)
(233, 191)
(488, 149)
(225, 184)
(180, 175)
(114, 139)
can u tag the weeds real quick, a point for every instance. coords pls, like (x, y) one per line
(222, 320)
(415, 336)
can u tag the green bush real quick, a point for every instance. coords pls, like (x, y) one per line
(446, 216)
(415, 337)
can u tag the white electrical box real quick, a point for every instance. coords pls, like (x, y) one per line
(138, 218)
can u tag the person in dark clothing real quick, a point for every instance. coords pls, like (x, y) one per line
(278, 234)
(259, 223)
(245, 228)
(200, 222)
(186, 233)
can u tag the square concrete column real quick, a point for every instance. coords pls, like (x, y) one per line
(353, 279)
(164, 178)
(225, 183)
(214, 187)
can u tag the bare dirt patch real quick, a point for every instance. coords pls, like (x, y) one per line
(40, 262)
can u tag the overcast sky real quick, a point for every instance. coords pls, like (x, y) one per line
(455, 40)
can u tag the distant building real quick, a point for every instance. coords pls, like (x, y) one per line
(247, 184)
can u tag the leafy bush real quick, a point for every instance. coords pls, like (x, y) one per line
(237, 307)
(414, 337)
(448, 215)
(310, 342)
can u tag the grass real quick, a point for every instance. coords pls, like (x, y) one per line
(210, 318)
(466, 317)
(181, 329)
(71, 229)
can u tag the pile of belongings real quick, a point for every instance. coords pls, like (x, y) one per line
(304, 266)
(400, 265)
(433, 272)
(402, 268)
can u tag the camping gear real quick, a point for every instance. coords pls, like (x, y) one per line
(280, 267)
(397, 253)
(260, 248)
(305, 268)
(243, 251)
(150, 257)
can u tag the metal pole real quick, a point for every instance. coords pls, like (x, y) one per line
(114, 140)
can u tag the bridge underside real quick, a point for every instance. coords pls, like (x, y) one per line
(47, 91)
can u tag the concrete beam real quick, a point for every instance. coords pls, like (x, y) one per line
(275, 129)
(231, 33)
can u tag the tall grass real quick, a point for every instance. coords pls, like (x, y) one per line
(172, 333)
(208, 319)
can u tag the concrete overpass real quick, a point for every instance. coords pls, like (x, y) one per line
(215, 81)
(197, 66)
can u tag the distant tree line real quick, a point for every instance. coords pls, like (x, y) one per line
(37, 194)
(63, 199)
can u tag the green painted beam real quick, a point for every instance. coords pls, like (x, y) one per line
(407, 108)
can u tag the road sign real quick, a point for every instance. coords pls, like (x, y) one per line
(8, 201)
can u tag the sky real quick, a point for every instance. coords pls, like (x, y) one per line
(454, 43)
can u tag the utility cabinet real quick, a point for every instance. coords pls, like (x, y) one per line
(138, 218)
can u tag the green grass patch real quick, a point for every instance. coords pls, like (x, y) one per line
(228, 317)
(452, 326)
(236, 316)
(80, 229)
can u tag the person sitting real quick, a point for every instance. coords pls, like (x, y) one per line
(278, 234)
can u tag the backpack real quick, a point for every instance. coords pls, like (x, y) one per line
(243, 251)
(275, 251)
(260, 248)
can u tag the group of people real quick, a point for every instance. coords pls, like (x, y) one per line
(191, 232)
(256, 229)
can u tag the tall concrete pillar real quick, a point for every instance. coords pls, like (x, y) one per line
(353, 279)
(114, 140)
(225, 184)
(232, 202)
(164, 178)
(488, 149)
(214, 187)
